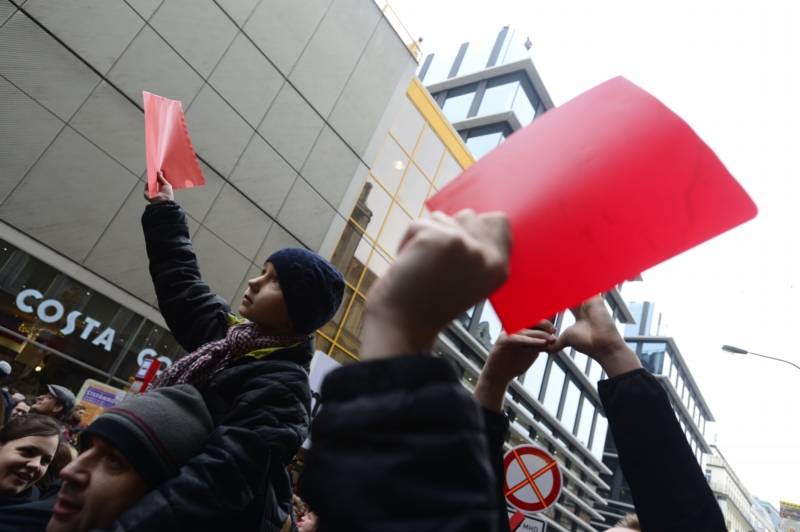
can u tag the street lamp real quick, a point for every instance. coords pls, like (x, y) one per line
(740, 351)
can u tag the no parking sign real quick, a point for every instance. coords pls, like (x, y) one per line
(533, 480)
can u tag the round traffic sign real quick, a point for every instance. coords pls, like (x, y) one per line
(533, 480)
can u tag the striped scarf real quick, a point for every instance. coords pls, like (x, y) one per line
(201, 366)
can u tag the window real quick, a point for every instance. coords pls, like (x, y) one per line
(555, 385)
(414, 191)
(667, 368)
(498, 96)
(653, 356)
(489, 316)
(585, 423)
(429, 153)
(448, 170)
(534, 376)
(456, 106)
(599, 436)
(407, 125)
(390, 165)
(708, 475)
(482, 141)
(372, 207)
(569, 412)
(396, 224)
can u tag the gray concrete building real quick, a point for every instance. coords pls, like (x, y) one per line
(286, 104)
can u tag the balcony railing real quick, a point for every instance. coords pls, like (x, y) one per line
(411, 43)
(724, 489)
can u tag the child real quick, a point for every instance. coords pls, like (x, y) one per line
(252, 373)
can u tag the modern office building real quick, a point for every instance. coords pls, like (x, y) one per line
(487, 89)
(660, 356)
(554, 405)
(287, 105)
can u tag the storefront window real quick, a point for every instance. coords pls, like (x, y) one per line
(71, 319)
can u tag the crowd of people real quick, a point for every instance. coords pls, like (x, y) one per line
(399, 444)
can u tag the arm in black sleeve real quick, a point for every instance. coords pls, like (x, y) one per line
(669, 490)
(267, 422)
(195, 316)
(496, 432)
(399, 445)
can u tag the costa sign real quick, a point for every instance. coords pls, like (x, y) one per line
(51, 311)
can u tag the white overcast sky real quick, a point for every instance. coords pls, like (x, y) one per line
(731, 69)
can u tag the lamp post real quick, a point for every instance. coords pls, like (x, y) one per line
(740, 351)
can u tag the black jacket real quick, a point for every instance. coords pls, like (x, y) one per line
(400, 445)
(32, 516)
(260, 407)
(8, 403)
(669, 490)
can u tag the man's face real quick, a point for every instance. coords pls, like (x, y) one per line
(47, 405)
(98, 487)
(308, 523)
(20, 409)
(77, 414)
(263, 303)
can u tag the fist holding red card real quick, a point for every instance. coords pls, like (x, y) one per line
(168, 146)
(596, 191)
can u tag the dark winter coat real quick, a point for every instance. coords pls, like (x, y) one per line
(400, 445)
(260, 407)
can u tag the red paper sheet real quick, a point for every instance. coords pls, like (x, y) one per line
(597, 191)
(168, 146)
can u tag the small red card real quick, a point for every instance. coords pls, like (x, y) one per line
(168, 146)
(597, 191)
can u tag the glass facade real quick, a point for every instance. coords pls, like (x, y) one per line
(54, 329)
(412, 163)
(483, 140)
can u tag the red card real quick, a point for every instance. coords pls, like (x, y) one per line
(168, 146)
(597, 191)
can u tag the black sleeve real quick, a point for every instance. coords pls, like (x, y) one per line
(268, 421)
(669, 490)
(193, 314)
(399, 444)
(496, 432)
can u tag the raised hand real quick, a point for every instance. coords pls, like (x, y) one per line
(444, 266)
(511, 356)
(164, 191)
(595, 335)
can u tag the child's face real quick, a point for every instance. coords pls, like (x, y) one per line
(264, 305)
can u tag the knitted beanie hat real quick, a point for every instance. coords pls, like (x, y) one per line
(158, 432)
(311, 286)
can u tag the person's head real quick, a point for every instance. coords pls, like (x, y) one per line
(21, 408)
(308, 523)
(56, 403)
(74, 436)
(77, 414)
(128, 451)
(27, 446)
(5, 371)
(65, 453)
(297, 292)
(629, 523)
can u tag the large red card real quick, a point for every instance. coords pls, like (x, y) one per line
(168, 146)
(598, 190)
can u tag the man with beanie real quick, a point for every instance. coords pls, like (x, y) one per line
(252, 373)
(128, 451)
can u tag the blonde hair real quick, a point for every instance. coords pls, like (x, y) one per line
(630, 521)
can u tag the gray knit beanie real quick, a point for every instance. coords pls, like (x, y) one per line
(311, 286)
(158, 432)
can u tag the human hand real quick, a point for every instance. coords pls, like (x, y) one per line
(444, 266)
(164, 191)
(510, 356)
(595, 335)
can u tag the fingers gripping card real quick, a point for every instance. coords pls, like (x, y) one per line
(168, 146)
(597, 191)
